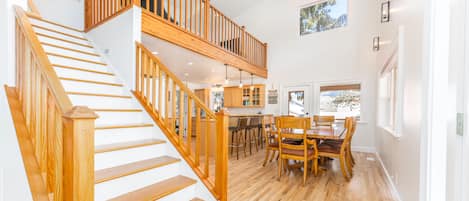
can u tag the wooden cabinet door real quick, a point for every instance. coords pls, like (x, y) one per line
(232, 97)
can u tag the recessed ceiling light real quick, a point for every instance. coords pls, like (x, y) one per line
(190, 63)
(155, 53)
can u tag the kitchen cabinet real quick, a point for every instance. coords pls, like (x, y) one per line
(244, 97)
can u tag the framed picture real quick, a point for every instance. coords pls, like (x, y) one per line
(323, 15)
(385, 7)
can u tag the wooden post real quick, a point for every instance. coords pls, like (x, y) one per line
(88, 14)
(265, 55)
(78, 139)
(243, 41)
(137, 3)
(207, 10)
(221, 171)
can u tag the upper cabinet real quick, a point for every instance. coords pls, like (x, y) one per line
(244, 97)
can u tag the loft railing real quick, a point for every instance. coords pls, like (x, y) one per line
(196, 17)
(62, 136)
(199, 135)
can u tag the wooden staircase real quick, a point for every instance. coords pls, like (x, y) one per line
(132, 157)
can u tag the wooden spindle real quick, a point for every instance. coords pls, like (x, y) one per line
(197, 136)
(173, 109)
(181, 116)
(189, 125)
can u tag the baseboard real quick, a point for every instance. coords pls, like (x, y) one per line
(364, 149)
(394, 191)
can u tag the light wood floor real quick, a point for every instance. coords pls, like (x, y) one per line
(248, 180)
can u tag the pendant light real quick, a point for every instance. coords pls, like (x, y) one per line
(240, 79)
(252, 83)
(227, 81)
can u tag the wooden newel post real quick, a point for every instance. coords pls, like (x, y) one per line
(221, 172)
(265, 55)
(78, 134)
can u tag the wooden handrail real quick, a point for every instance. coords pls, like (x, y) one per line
(62, 135)
(198, 134)
(33, 8)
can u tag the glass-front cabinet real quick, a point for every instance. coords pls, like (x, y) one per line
(247, 96)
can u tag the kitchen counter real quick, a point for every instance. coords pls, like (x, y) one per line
(250, 115)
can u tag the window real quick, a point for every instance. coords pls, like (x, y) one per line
(340, 100)
(323, 16)
(387, 96)
(296, 103)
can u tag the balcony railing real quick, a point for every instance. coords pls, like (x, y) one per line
(195, 17)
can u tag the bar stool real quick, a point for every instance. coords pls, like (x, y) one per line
(252, 135)
(238, 136)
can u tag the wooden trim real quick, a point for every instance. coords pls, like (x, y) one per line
(123, 126)
(70, 49)
(59, 32)
(341, 87)
(100, 95)
(91, 82)
(75, 58)
(64, 40)
(50, 22)
(82, 69)
(33, 171)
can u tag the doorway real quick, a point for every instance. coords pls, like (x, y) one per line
(296, 100)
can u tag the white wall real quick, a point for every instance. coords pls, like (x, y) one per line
(67, 12)
(455, 160)
(343, 54)
(117, 37)
(401, 156)
(13, 181)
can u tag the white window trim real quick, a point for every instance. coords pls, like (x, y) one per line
(317, 95)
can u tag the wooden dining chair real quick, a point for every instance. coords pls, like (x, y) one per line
(324, 121)
(341, 150)
(306, 151)
(271, 138)
(338, 142)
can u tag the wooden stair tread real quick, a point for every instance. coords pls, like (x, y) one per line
(76, 58)
(117, 110)
(94, 94)
(59, 32)
(50, 22)
(132, 168)
(69, 49)
(127, 145)
(104, 127)
(91, 81)
(82, 69)
(64, 40)
(158, 190)
(196, 199)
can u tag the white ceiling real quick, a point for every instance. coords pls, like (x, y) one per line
(203, 69)
(233, 8)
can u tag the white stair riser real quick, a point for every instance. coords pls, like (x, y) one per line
(102, 102)
(93, 88)
(115, 158)
(183, 194)
(116, 187)
(70, 53)
(77, 74)
(120, 118)
(76, 63)
(111, 136)
(65, 44)
(55, 27)
(61, 36)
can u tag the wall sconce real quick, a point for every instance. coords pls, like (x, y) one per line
(376, 43)
(385, 15)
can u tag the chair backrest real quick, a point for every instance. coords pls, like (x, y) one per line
(351, 125)
(285, 129)
(254, 121)
(324, 120)
(233, 122)
(243, 123)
